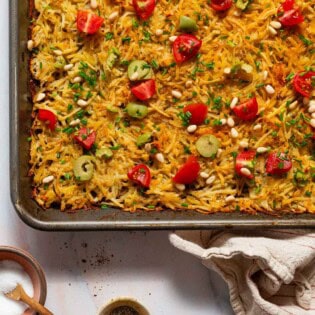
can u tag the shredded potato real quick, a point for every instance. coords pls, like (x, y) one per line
(228, 39)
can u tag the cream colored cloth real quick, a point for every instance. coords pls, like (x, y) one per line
(267, 272)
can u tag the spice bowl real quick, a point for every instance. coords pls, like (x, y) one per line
(123, 306)
(31, 267)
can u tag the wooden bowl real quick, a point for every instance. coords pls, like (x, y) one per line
(32, 267)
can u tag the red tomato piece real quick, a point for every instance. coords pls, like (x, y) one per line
(278, 163)
(220, 5)
(198, 113)
(85, 137)
(287, 5)
(245, 159)
(144, 8)
(188, 172)
(141, 175)
(303, 82)
(185, 47)
(48, 117)
(247, 110)
(289, 15)
(144, 90)
(88, 22)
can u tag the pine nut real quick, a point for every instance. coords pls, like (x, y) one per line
(311, 109)
(293, 105)
(191, 128)
(234, 133)
(93, 4)
(313, 115)
(269, 89)
(68, 67)
(159, 32)
(40, 97)
(275, 24)
(311, 103)
(234, 102)
(48, 179)
(272, 31)
(229, 198)
(113, 16)
(204, 175)
(75, 122)
(210, 180)
(227, 70)
(223, 121)
(148, 147)
(58, 52)
(30, 45)
(188, 83)
(77, 80)
(172, 38)
(160, 157)
(262, 150)
(245, 171)
(312, 123)
(82, 103)
(230, 122)
(244, 144)
(257, 127)
(177, 94)
(237, 13)
(180, 187)
(134, 76)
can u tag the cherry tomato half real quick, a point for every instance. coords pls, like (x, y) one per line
(188, 172)
(88, 22)
(144, 90)
(278, 163)
(198, 113)
(245, 159)
(289, 15)
(247, 110)
(141, 175)
(220, 5)
(48, 117)
(303, 82)
(85, 137)
(185, 47)
(144, 8)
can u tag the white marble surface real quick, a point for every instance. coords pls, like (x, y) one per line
(85, 270)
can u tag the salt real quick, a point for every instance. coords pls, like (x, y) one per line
(11, 273)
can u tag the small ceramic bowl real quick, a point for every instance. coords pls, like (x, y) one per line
(32, 267)
(123, 302)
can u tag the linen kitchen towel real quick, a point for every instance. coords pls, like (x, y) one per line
(267, 272)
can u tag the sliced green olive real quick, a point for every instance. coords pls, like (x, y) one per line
(135, 110)
(208, 146)
(104, 153)
(83, 168)
(112, 57)
(139, 70)
(143, 139)
(112, 108)
(243, 72)
(60, 62)
(242, 4)
(186, 24)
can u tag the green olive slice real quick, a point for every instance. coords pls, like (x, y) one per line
(208, 146)
(143, 139)
(136, 110)
(139, 70)
(104, 153)
(83, 168)
(186, 24)
(112, 57)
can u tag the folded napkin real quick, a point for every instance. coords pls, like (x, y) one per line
(267, 272)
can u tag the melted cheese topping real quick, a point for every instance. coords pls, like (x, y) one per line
(229, 39)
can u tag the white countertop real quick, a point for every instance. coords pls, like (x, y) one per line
(86, 269)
